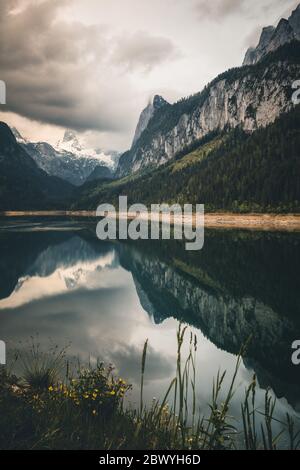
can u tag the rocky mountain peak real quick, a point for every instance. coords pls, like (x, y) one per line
(7, 137)
(294, 21)
(69, 135)
(266, 35)
(20, 139)
(229, 101)
(272, 38)
(156, 103)
(70, 142)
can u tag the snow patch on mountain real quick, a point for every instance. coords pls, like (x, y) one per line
(71, 159)
(72, 143)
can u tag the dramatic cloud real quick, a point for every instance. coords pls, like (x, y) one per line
(69, 73)
(64, 71)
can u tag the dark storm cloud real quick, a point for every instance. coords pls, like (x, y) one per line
(70, 74)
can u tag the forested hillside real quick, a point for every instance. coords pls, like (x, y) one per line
(232, 170)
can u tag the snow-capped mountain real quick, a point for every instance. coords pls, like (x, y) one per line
(20, 139)
(71, 143)
(70, 159)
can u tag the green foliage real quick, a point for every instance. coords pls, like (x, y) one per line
(167, 117)
(234, 171)
(87, 412)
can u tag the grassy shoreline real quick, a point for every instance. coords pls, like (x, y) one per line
(251, 221)
(40, 410)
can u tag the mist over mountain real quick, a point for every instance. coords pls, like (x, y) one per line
(272, 38)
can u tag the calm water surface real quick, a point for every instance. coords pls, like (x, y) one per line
(59, 282)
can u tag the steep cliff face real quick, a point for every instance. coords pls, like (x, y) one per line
(146, 115)
(272, 38)
(250, 97)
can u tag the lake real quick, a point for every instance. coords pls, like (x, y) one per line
(59, 284)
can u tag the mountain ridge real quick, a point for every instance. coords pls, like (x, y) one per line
(251, 96)
(272, 37)
(232, 171)
(23, 185)
(69, 159)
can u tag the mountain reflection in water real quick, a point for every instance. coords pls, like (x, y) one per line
(59, 281)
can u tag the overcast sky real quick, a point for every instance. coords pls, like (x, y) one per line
(92, 65)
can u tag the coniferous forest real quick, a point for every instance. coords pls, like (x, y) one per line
(232, 170)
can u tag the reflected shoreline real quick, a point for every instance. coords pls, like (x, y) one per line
(257, 221)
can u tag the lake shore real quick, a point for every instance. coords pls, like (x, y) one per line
(251, 221)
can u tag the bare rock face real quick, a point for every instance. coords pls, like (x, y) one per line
(271, 38)
(241, 97)
(70, 159)
(250, 97)
(146, 115)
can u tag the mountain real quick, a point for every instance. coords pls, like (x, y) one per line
(70, 159)
(71, 143)
(233, 170)
(272, 38)
(23, 185)
(157, 103)
(249, 97)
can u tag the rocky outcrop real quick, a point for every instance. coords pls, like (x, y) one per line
(250, 97)
(146, 115)
(272, 38)
(70, 159)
